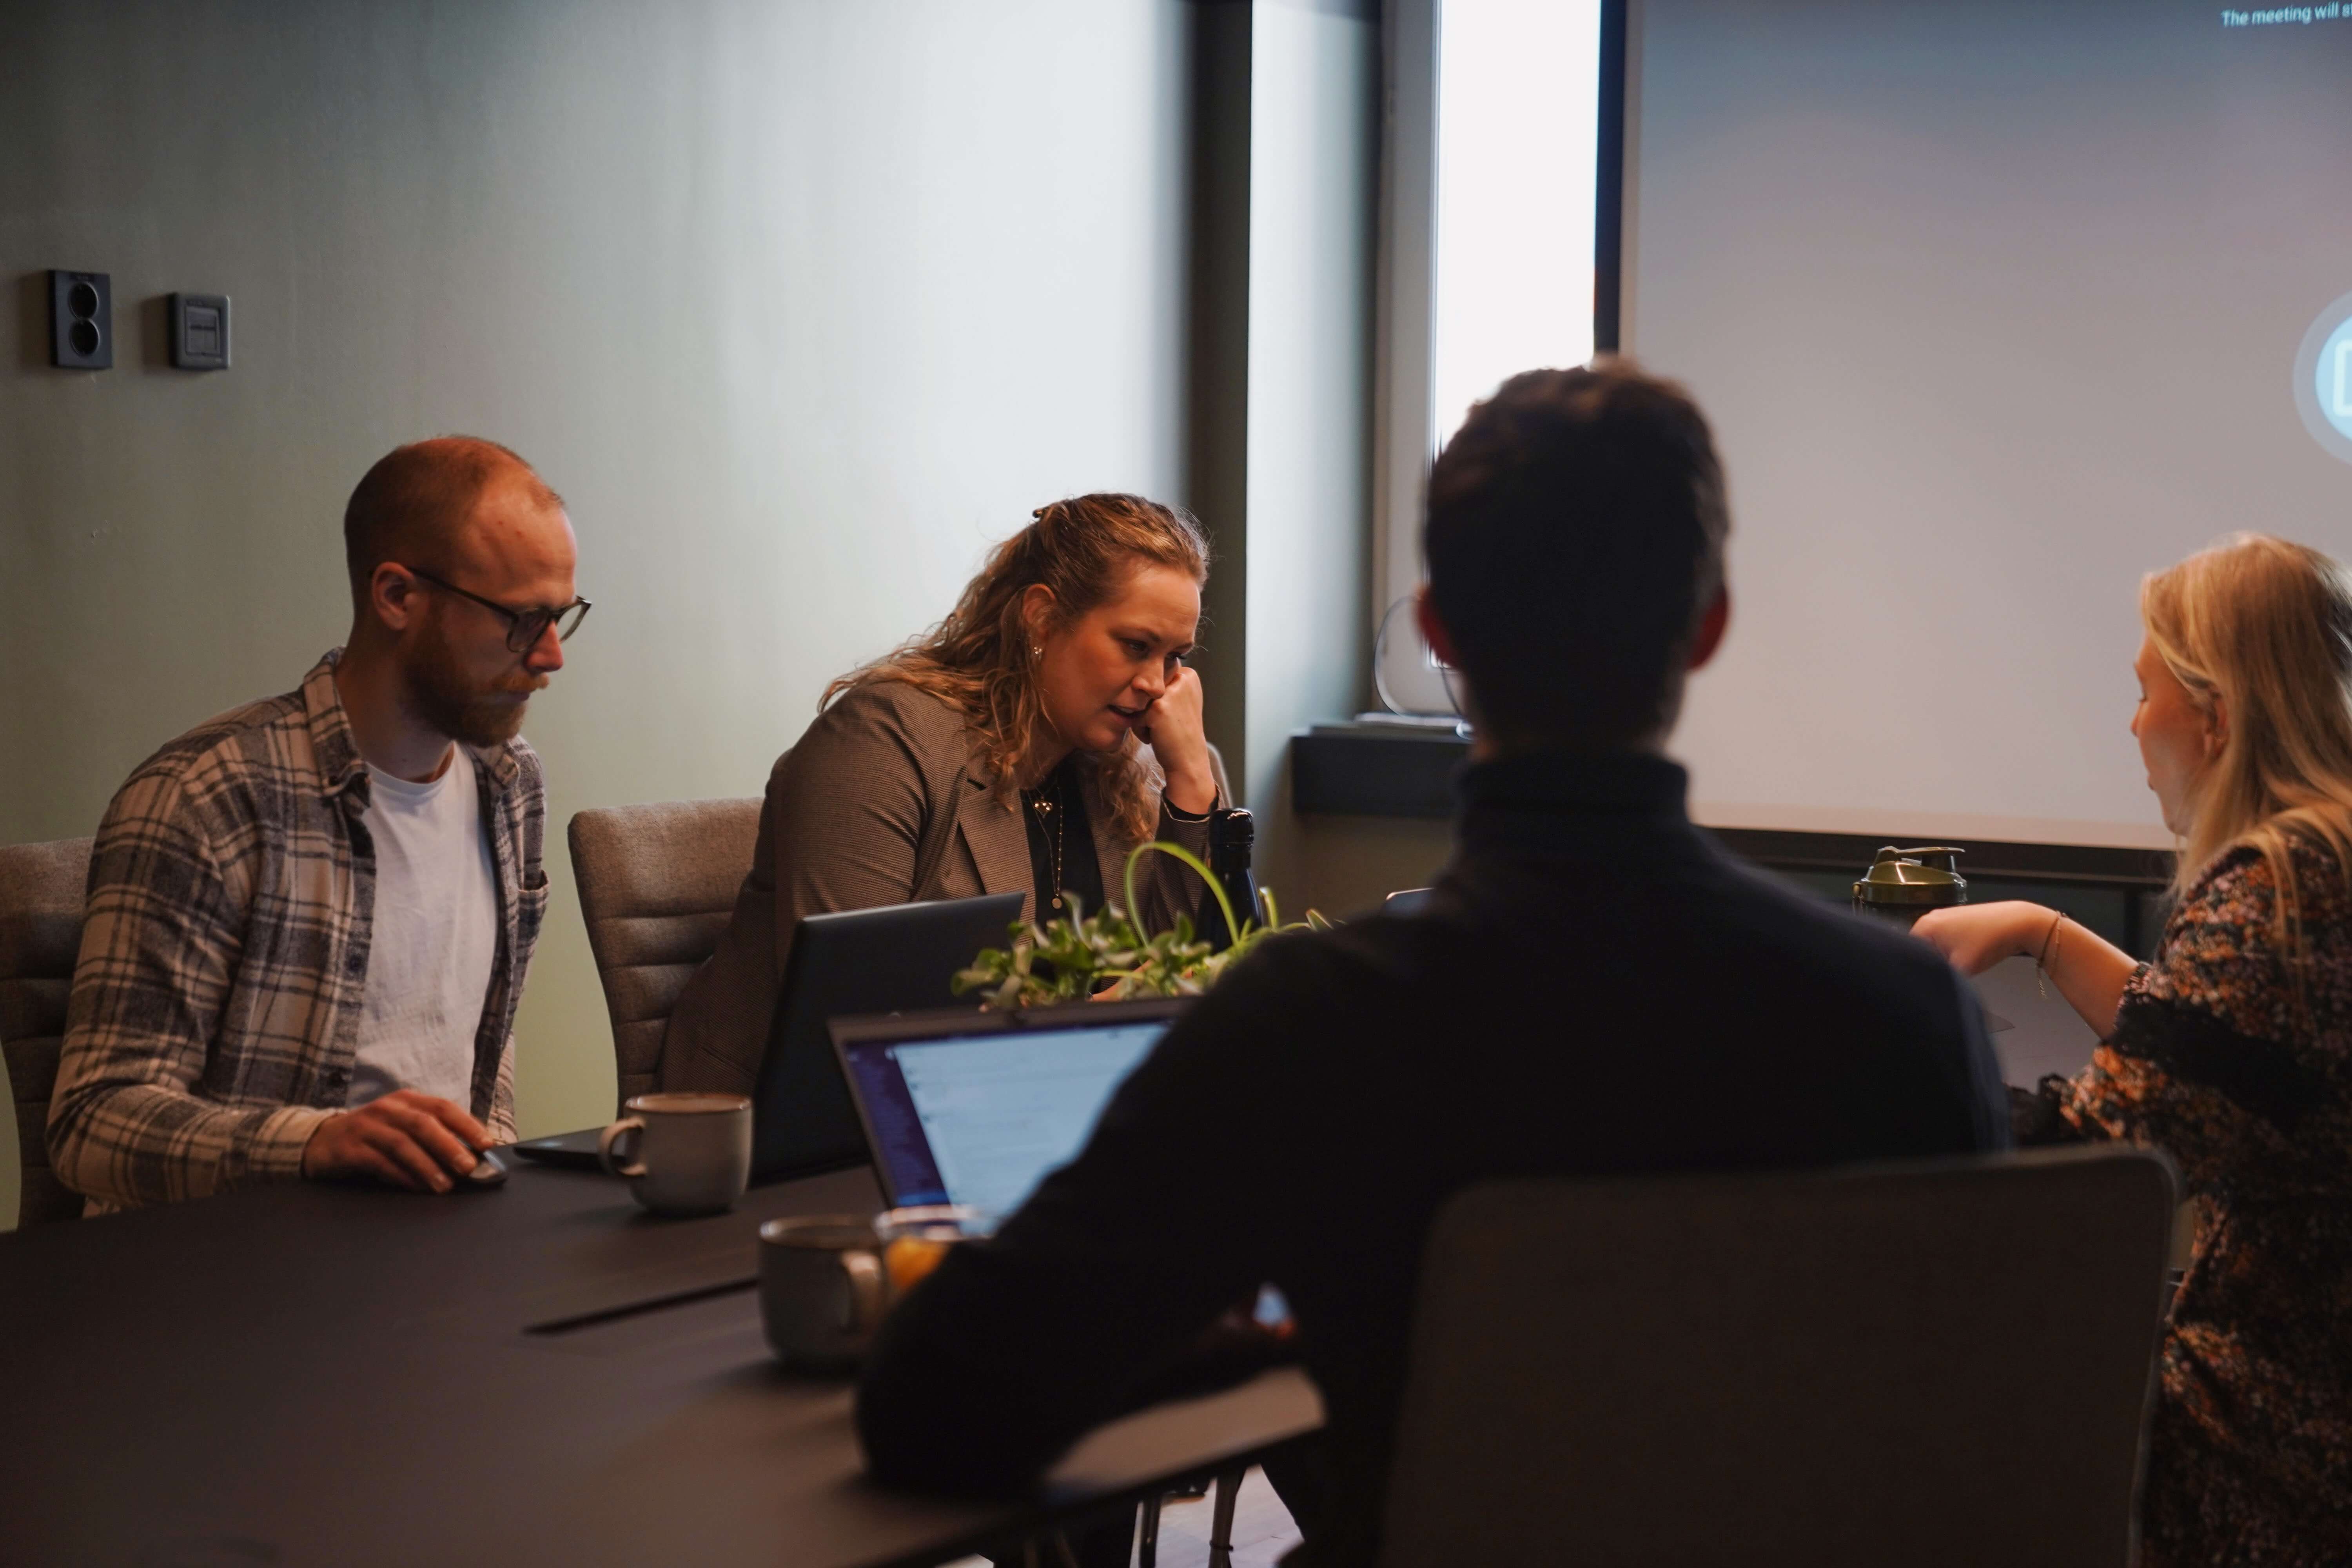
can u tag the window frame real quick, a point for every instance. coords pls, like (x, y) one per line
(1404, 436)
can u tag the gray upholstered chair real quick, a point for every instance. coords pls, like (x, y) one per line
(657, 884)
(1943, 1363)
(42, 890)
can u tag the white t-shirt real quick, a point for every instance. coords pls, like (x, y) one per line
(436, 936)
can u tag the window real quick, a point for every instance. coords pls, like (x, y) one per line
(1490, 190)
(1518, 142)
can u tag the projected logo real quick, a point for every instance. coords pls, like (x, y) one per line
(2323, 378)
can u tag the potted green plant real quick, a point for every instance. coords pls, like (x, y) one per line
(1074, 958)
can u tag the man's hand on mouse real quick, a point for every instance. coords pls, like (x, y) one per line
(411, 1140)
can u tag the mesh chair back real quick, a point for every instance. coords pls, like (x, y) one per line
(657, 884)
(1946, 1363)
(42, 890)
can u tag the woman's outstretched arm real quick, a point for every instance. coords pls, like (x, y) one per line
(2088, 970)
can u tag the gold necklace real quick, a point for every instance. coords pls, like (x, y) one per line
(1047, 815)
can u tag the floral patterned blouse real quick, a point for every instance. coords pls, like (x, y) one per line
(2243, 1075)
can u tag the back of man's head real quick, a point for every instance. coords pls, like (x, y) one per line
(412, 506)
(1575, 544)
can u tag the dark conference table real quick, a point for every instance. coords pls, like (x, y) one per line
(535, 1373)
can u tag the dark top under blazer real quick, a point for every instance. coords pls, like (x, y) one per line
(881, 802)
(1596, 987)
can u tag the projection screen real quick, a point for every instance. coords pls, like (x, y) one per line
(1995, 307)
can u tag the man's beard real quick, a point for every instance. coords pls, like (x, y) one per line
(445, 697)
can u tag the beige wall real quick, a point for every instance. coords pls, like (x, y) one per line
(799, 302)
(1287, 139)
(1314, 139)
(1349, 864)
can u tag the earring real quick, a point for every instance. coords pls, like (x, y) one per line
(1036, 650)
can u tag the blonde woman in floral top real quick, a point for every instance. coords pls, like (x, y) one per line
(2232, 1051)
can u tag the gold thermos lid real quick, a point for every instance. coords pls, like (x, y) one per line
(1904, 884)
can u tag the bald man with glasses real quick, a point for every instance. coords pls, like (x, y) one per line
(309, 918)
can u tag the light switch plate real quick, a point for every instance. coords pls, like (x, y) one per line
(200, 332)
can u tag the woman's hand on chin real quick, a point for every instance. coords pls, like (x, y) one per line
(1975, 937)
(1174, 731)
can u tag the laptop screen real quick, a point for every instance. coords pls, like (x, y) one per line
(982, 1118)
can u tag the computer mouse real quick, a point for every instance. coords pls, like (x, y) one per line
(487, 1171)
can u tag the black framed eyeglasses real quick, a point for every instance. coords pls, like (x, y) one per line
(524, 628)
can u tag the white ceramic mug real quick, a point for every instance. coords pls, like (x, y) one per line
(828, 1280)
(682, 1153)
(822, 1289)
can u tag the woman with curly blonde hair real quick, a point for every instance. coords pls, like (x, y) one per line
(2232, 1049)
(1025, 743)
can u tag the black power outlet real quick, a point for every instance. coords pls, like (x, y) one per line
(81, 321)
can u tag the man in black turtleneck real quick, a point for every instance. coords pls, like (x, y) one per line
(1596, 987)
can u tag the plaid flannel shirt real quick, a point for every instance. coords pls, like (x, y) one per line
(216, 1007)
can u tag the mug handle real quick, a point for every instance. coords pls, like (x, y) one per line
(868, 1292)
(608, 1147)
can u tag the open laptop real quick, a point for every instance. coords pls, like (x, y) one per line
(965, 1109)
(900, 957)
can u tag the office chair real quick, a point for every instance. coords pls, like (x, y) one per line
(657, 884)
(1933, 1363)
(42, 890)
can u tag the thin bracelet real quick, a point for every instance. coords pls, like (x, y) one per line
(2049, 947)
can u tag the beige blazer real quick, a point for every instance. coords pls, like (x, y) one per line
(879, 803)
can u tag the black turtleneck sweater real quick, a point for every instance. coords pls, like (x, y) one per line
(1596, 987)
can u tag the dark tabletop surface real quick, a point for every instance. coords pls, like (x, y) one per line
(537, 1373)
